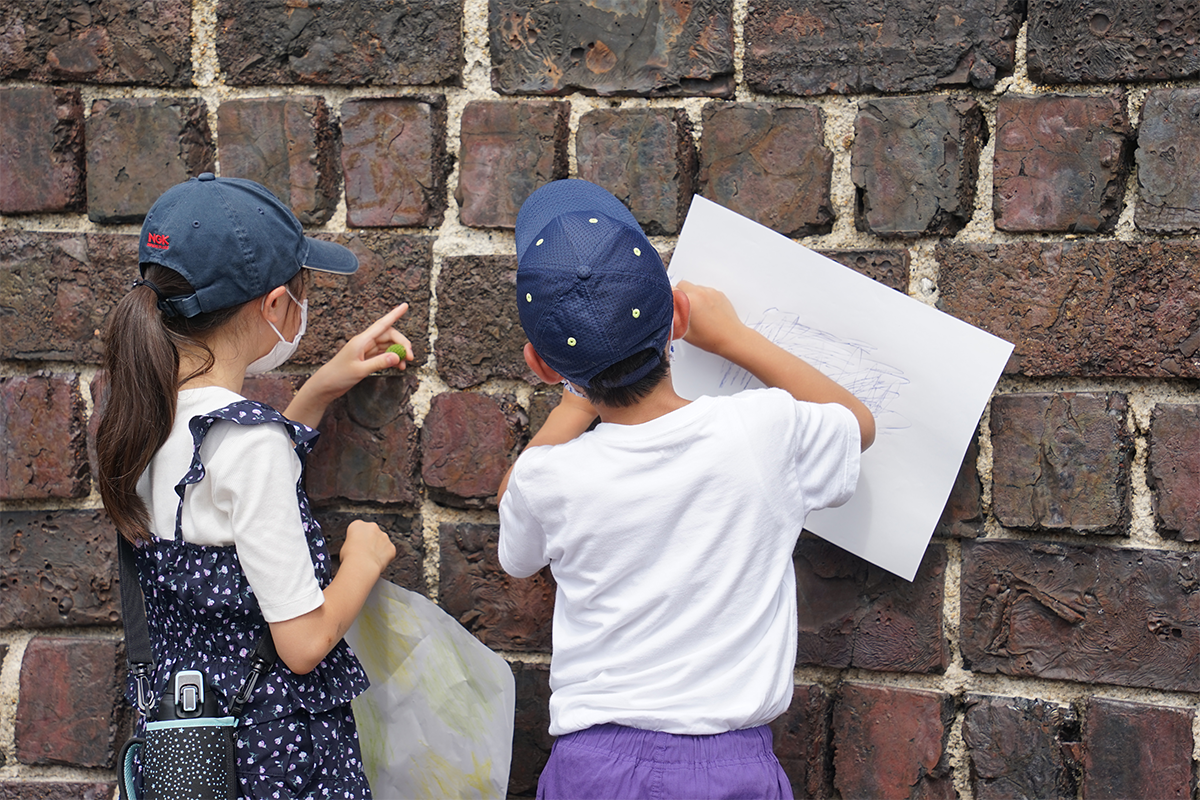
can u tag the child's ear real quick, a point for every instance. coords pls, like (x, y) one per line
(683, 313)
(275, 306)
(540, 367)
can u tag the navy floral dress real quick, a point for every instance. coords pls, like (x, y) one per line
(296, 736)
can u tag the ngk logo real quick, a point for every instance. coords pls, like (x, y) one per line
(157, 240)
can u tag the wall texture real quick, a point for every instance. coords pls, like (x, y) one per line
(1028, 166)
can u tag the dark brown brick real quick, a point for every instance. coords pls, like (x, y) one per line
(392, 269)
(505, 613)
(962, 518)
(56, 790)
(41, 149)
(1069, 42)
(394, 159)
(407, 568)
(557, 48)
(644, 156)
(1174, 470)
(769, 163)
(138, 148)
(288, 144)
(1020, 748)
(1061, 162)
(112, 41)
(854, 614)
(531, 737)
(368, 446)
(60, 570)
(1081, 308)
(507, 150)
(276, 391)
(57, 289)
(1061, 461)
(914, 165)
(71, 709)
(1086, 614)
(368, 42)
(468, 443)
(43, 438)
(804, 741)
(1137, 750)
(889, 267)
(1168, 179)
(891, 743)
(479, 332)
(811, 47)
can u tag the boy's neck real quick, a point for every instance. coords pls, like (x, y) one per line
(660, 402)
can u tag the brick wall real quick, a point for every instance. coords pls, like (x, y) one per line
(1029, 167)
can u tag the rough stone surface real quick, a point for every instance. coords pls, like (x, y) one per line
(71, 708)
(57, 289)
(56, 790)
(1090, 309)
(1069, 42)
(407, 568)
(1137, 750)
(394, 159)
(507, 150)
(505, 613)
(59, 570)
(612, 49)
(468, 442)
(138, 148)
(1021, 748)
(111, 41)
(1087, 614)
(890, 743)
(811, 47)
(914, 165)
(479, 330)
(803, 741)
(43, 438)
(368, 42)
(288, 144)
(275, 390)
(644, 156)
(368, 446)
(1168, 181)
(1061, 461)
(1174, 470)
(889, 267)
(855, 615)
(531, 737)
(1061, 162)
(41, 150)
(769, 163)
(962, 518)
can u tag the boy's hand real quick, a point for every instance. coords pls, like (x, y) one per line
(714, 322)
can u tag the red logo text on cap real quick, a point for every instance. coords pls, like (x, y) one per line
(158, 241)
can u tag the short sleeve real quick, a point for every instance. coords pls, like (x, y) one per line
(522, 546)
(828, 453)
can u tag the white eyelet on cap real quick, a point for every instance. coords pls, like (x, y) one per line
(593, 220)
(637, 312)
(637, 251)
(571, 341)
(538, 243)
(528, 298)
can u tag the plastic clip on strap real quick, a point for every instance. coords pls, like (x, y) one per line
(260, 664)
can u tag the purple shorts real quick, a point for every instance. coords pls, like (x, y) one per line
(612, 762)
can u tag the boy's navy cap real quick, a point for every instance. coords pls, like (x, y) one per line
(232, 240)
(591, 289)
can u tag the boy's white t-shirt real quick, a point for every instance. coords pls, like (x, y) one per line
(671, 544)
(247, 498)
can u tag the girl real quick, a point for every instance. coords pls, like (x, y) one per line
(209, 485)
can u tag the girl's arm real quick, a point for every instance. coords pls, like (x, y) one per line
(303, 642)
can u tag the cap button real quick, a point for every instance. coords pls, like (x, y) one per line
(206, 176)
(584, 271)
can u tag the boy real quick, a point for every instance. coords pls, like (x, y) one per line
(669, 528)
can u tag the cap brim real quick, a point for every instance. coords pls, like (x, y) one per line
(330, 257)
(564, 197)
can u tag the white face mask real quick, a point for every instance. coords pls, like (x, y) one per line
(283, 349)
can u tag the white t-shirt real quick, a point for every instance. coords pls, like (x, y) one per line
(247, 498)
(671, 543)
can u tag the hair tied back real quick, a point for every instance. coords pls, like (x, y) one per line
(163, 305)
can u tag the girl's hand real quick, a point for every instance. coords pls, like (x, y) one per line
(368, 542)
(714, 322)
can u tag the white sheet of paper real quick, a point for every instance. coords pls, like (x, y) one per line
(926, 376)
(437, 721)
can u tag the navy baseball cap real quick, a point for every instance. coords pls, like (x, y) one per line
(232, 240)
(591, 289)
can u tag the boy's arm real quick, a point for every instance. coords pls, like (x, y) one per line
(715, 326)
(570, 418)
